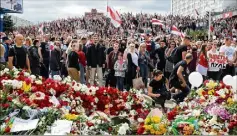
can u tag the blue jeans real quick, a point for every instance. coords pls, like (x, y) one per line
(53, 73)
(184, 93)
(144, 73)
(120, 83)
(82, 74)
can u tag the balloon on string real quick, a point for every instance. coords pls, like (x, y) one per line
(228, 80)
(195, 79)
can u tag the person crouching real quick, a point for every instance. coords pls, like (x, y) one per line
(158, 88)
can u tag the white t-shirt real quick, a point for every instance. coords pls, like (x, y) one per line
(229, 51)
(209, 64)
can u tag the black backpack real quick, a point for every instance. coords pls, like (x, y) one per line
(173, 56)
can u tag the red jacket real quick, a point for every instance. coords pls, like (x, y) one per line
(203, 60)
(82, 58)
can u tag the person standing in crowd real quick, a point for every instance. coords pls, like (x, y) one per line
(143, 59)
(18, 55)
(193, 64)
(228, 51)
(181, 50)
(83, 42)
(159, 56)
(45, 51)
(133, 68)
(55, 57)
(122, 46)
(202, 65)
(113, 56)
(2, 59)
(73, 65)
(213, 72)
(95, 61)
(169, 66)
(7, 45)
(120, 68)
(34, 57)
(28, 43)
(82, 63)
(178, 78)
(157, 88)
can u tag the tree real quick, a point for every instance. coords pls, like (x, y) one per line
(8, 25)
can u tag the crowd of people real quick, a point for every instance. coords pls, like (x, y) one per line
(162, 61)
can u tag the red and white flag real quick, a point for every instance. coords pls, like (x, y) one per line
(175, 30)
(114, 16)
(157, 22)
(41, 29)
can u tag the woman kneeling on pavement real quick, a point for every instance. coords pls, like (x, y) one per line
(158, 88)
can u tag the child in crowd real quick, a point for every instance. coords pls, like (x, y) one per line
(120, 68)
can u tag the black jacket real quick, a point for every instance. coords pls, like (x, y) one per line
(95, 56)
(55, 60)
(34, 57)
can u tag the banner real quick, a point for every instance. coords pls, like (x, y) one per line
(217, 61)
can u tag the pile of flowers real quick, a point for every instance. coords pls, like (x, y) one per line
(206, 111)
(90, 110)
(93, 110)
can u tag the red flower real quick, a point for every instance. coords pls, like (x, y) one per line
(89, 124)
(140, 130)
(9, 98)
(110, 129)
(7, 129)
(6, 105)
(28, 81)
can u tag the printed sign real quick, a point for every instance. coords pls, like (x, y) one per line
(217, 61)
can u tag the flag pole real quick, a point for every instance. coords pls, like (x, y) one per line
(107, 8)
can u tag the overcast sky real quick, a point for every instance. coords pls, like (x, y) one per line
(46, 10)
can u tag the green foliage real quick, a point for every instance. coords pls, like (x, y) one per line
(8, 25)
(198, 35)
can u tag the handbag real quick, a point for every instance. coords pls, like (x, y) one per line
(137, 82)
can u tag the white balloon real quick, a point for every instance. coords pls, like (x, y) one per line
(234, 84)
(195, 79)
(228, 80)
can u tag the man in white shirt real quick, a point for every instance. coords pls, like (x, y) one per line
(228, 51)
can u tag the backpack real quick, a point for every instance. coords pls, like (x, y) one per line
(173, 56)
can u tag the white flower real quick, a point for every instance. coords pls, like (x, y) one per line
(96, 100)
(132, 112)
(140, 120)
(201, 123)
(6, 70)
(128, 105)
(213, 121)
(52, 91)
(26, 108)
(196, 113)
(38, 82)
(33, 77)
(123, 129)
(26, 74)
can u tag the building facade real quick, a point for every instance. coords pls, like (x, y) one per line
(93, 14)
(188, 7)
(20, 22)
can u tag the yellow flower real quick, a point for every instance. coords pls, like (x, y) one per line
(148, 127)
(210, 92)
(70, 116)
(230, 101)
(147, 120)
(25, 87)
(152, 131)
(155, 119)
(199, 91)
(211, 84)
